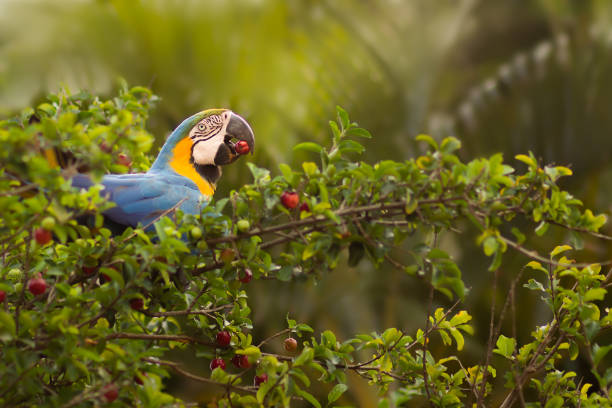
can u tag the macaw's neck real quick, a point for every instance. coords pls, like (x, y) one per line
(176, 156)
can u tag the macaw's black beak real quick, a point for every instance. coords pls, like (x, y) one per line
(237, 130)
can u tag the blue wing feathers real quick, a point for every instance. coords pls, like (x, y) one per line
(141, 198)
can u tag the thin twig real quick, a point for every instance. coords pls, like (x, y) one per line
(426, 340)
(485, 374)
(159, 337)
(187, 312)
(319, 219)
(176, 367)
(280, 333)
(540, 258)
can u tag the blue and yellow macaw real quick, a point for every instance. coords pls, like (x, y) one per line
(184, 175)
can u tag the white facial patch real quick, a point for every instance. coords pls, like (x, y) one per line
(207, 135)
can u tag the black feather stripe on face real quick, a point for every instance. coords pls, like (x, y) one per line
(224, 155)
(209, 172)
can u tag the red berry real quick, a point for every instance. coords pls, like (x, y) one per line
(105, 278)
(291, 344)
(260, 379)
(2, 296)
(105, 147)
(124, 160)
(42, 236)
(290, 199)
(137, 378)
(246, 275)
(136, 303)
(241, 361)
(37, 286)
(88, 270)
(217, 362)
(110, 392)
(305, 207)
(242, 147)
(223, 338)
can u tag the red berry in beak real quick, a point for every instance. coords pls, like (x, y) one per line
(242, 147)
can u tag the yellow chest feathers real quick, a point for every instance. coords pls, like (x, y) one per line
(181, 163)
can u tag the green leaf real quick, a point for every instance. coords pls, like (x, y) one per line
(298, 373)
(304, 328)
(308, 146)
(7, 325)
(360, 132)
(287, 172)
(505, 346)
(600, 352)
(336, 392)
(337, 134)
(390, 336)
(114, 275)
(305, 357)
(310, 168)
(536, 266)
(309, 251)
(450, 144)
(595, 294)
(460, 317)
(308, 397)
(411, 204)
(560, 249)
(555, 402)
(490, 245)
(542, 228)
(520, 237)
(350, 146)
(252, 352)
(458, 338)
(573, 350)
(534, 285)
(529, 161)
(343, 117)
(427, 139)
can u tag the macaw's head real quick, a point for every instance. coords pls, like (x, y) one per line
(203, 143)
(214, 136)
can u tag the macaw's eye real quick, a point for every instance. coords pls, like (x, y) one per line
(200, 126)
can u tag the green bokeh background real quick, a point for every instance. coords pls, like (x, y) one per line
(503, 76)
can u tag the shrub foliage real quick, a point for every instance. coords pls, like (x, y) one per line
(114, 305)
